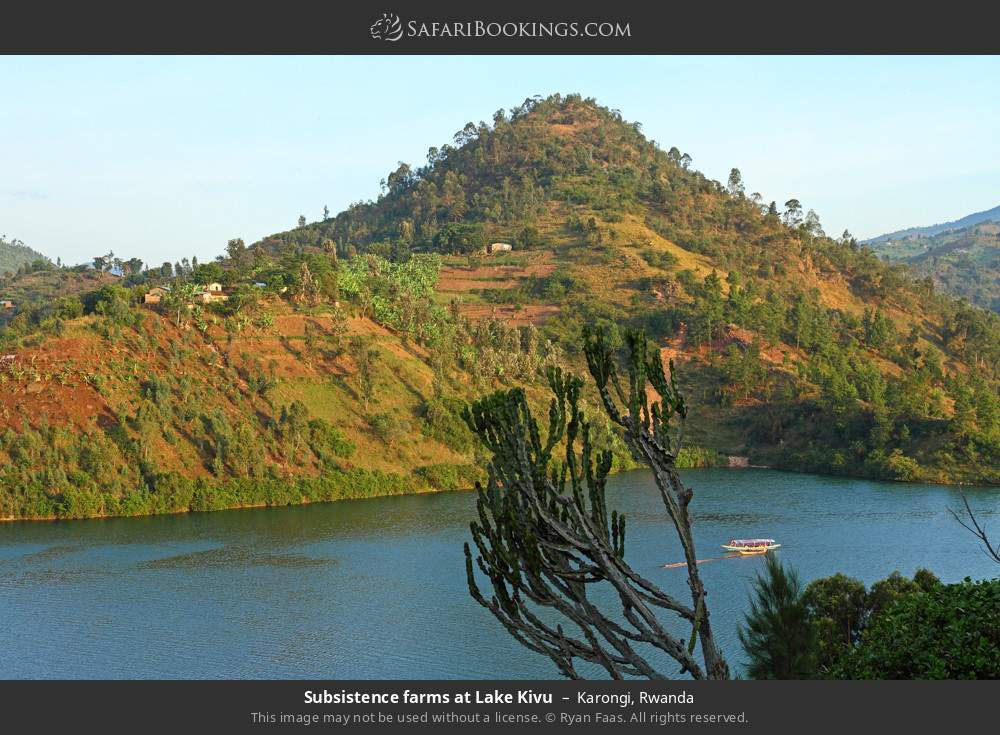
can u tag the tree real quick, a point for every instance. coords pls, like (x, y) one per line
(545, 535)
(293, 425)
(812, 224)
(104, 262)
(302, 220)
(838, 607)
(132, 266)
(326, 213)
(179, 302)
(777, 634)
(365, 357)
(793, 213)
(735, 184)
(947, 632)
(878, 330)
(745, 371)
(307, 292)
(709, 311)
(236, 250)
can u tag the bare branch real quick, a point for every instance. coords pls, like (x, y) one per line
(973, 527)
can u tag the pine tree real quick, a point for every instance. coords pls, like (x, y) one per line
(777, 635)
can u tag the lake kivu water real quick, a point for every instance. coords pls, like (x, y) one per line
(376, 588)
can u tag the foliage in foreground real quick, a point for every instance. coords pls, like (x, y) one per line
(545, 536)
(899, 628)
(947, 632)
(778, 637)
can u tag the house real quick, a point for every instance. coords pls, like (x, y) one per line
(153, 295)
(5, 304)
(211, 293)
(499, 247)
(210, 297)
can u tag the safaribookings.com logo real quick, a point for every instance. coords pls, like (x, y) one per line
(387, 28)
(390, 28)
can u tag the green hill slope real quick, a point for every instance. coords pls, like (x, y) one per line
(338, 364)
(15, 255)
(963, 261)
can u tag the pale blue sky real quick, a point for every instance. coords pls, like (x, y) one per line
(163, 157)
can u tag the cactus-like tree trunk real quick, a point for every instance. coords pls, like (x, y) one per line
(545, 535)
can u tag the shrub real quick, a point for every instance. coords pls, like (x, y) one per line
(389, 427)
(692, 457)
(948, 632)
(443, 422)
(659, 258)
(450, 476)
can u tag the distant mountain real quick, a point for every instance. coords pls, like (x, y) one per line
(930, 230)
(14, 254)
(963, 261)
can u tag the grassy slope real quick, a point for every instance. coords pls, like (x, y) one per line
(90, 384)
(615, 276)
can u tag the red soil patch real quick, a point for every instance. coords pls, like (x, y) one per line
(453, 284)
(493, 275)
(533, 314)
(52, 384)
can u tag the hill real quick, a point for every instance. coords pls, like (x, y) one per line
(41, 287)
(963, 261)
(14, 255)
(339, 361)
(989, 215)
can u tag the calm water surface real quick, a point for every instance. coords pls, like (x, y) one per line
(376, 588)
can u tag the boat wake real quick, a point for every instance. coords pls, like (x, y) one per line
(676, 564)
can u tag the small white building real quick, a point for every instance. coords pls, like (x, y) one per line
(499, 247)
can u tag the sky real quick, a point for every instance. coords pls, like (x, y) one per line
(167, 157)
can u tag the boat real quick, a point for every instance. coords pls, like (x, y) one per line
(751, 545)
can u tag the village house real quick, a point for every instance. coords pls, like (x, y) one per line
(499, 247)
(6, 304)
(211, 293)
(153, 295)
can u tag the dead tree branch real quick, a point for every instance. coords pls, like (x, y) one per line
(973, 527)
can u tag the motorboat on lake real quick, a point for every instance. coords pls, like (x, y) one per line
(751, 545)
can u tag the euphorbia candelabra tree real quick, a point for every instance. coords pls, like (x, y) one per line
(545, 534)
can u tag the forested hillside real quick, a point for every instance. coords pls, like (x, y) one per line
(339, 361)
(800, 349)
(964, 261)
(15, 255)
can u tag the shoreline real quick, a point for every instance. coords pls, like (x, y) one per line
(422, 489)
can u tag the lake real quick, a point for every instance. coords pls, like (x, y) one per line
(376, 588)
